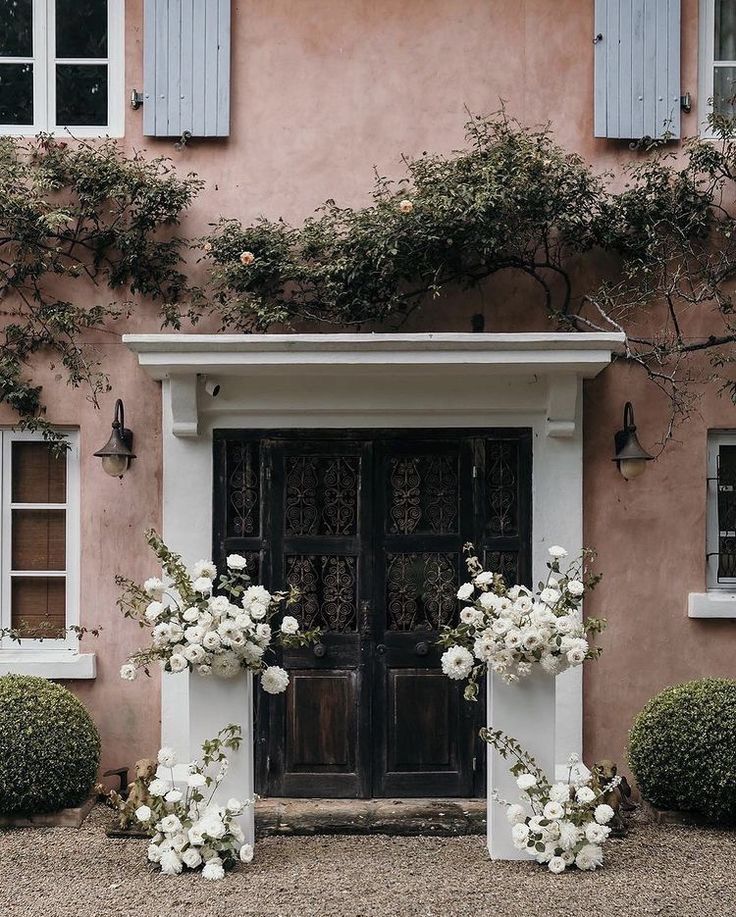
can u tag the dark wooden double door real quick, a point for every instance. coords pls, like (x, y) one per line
(369, 526)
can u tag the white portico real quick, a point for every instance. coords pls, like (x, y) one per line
(370, 381)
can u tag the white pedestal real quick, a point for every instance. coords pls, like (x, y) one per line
(206, 706)
(526, 712)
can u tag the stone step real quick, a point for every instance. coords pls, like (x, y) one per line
(409, 817)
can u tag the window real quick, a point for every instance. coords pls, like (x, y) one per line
(61, 67)
(717, 89)
(721, 537)
(39, 562)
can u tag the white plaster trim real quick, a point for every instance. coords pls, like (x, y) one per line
(374, 382)
(56, 664)
(713, 604)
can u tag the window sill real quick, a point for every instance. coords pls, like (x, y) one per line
(713, 604)
(56, 664)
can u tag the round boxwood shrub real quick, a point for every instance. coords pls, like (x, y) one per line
(49, 747)
(682, 749)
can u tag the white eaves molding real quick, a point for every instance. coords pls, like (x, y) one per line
(560, 359)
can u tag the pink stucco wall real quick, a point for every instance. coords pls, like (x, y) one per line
(322, 91)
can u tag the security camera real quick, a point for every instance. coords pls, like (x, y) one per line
(212, 388)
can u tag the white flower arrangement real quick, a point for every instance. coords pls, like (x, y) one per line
(512, 630)
(188, 829)
(208, 624)
(568, 824)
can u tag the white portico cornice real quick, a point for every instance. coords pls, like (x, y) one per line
(559, 360)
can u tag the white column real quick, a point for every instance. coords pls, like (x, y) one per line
(525, 711)
(210, 704)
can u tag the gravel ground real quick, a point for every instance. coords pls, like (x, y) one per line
(662, 870)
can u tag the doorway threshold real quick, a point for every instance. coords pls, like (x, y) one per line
(405, 817)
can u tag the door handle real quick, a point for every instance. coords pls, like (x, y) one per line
(319, 650)
(381, 649)
(422, 648)
(366, 628)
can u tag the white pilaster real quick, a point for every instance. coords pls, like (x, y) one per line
(526, 712)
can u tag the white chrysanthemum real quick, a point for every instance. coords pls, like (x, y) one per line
(603, 813)
(246, 853)
(153, 610)
(236, 562)
(143, 813)
(550, 663)
(191, 858)
(556, 864)
(575, 587)
(584, 794)
(274, 680)
(159, 787)
(557, 552)
(589, 857)
(196, 780)
(569, 834)
(202, 585)
(457, 662)
(559, 792)
(515, 814)
(170, 862)
(203, 568)
(166, 756)
(154, 853)
(213, 869)
(178, 662)
(595, 833)
(553, 810)
(289, 625)
(485, 578)
(127, 672)
(465, 591)
(225, 665)
(526, 781)
(252, 653)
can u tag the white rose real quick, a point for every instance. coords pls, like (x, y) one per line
(513, 638)
(202, 585)
(166, 756)
(176, 632)
(191, 615)
(154, 853)
(565, 624)
(531, 638)
(274, 680)
(263, 634)
(465, 591)
(557, 552)
(515, 814)
(178, 662)
(257, 611)
(143, 813)
(487, 600)
(556, 864)
(289, 625)
(196, 780)
(203, 569)
(153, 610)
(127, 671)
(246, 853)
(236, 562)
(584, 794)
(595, 833)
(553, 810)
(174, 796)
(484, 578)
(472, 616)
(575, 587)
(520, 835)
(549, 596)
(256, 594)
(196, 836)
(194, 653)
(194, 634)
(170, 824)
(191, 858)
(234, 806)
(154, 587)
(526, 781)
(211, 641)
(160, 633)
(457, 662)
(603, 813)
(218, 604)
(575, 657)
(501, 626)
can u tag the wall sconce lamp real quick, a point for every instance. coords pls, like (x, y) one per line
(118, 450)
(630, 458)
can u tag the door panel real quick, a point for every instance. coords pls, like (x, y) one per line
(369, 527)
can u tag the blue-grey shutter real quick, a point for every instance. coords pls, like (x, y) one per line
(186, 68)
(637, 68)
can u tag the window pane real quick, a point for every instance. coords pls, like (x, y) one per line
(725, 37)
(81, 94)
(38, 606)
(727, 512)
(724, 90)
(16, 94)
(39, 474)
(16, 30)
(38, 539)
(81, 28)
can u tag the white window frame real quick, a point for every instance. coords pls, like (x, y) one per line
(44, 75)
(719, 600)
(50, 658)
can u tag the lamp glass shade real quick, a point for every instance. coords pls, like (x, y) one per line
(632, 467)
(115, 465)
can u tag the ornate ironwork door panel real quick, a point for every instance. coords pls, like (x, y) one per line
(369, 526)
